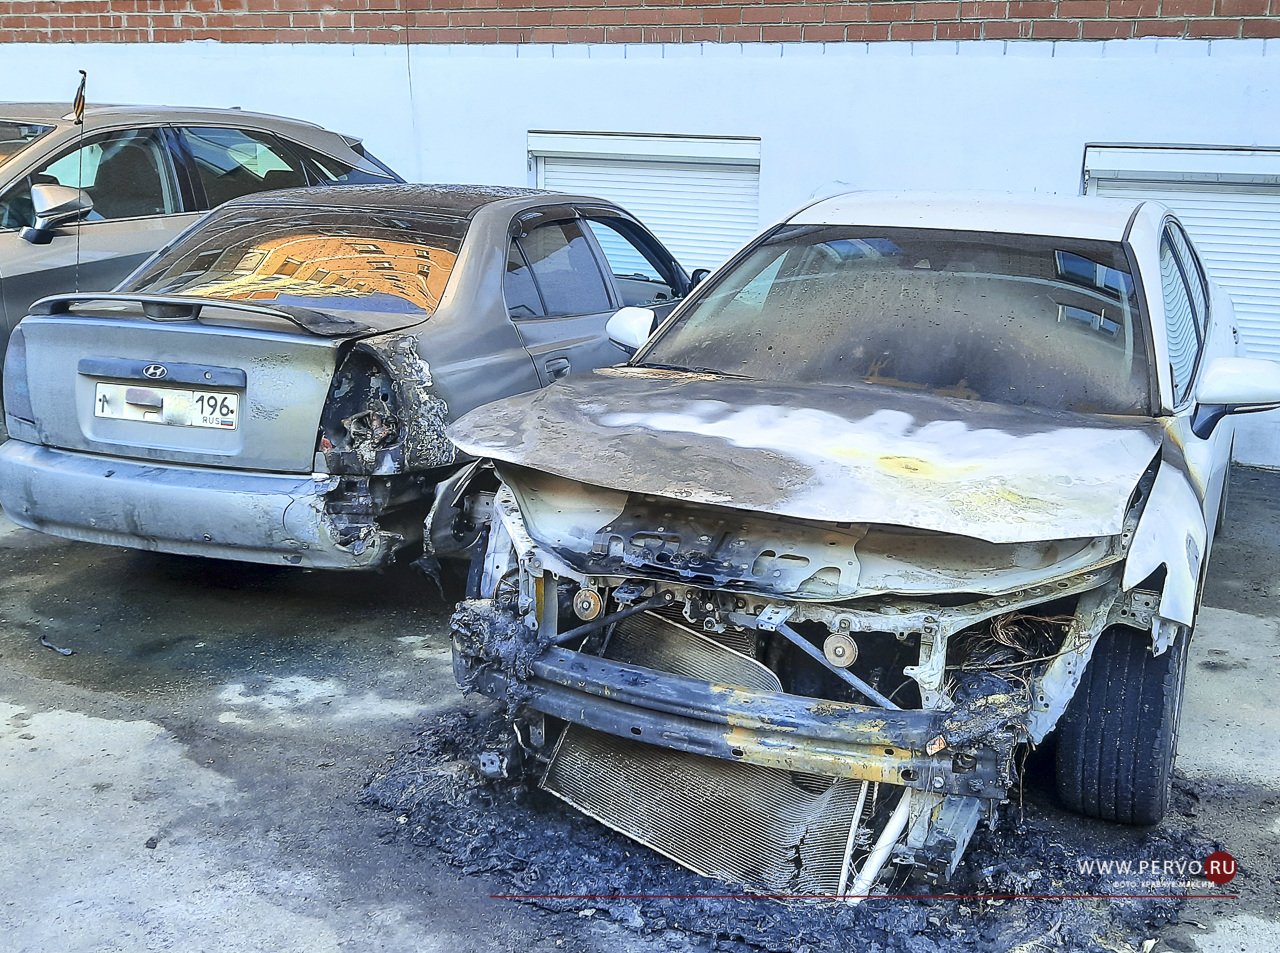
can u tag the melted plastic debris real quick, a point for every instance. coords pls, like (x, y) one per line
(529, 844)
(486, 630)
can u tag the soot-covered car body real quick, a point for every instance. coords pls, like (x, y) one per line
(274, 385)
(907, 484)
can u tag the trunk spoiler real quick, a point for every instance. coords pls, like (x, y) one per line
(188, 308)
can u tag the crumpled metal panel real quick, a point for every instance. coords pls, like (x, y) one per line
(853, 454)
(770, 830)
(602, 532)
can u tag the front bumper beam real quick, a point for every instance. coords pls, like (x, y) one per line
(769, 729)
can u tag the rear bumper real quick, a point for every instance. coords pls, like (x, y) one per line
(263, 518)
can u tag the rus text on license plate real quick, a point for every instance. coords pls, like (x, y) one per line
(175, 406)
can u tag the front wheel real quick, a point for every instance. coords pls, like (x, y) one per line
(1118, 738)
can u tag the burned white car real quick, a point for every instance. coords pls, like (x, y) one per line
(905, 486)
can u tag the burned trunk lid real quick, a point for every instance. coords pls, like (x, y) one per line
(190, 381)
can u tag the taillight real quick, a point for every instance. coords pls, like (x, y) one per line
(361, 420)
(17, 389)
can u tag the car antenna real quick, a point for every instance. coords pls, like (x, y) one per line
(77, 108)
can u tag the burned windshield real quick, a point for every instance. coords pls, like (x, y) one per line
(16, 136)
(325, 259)
(1009, 319)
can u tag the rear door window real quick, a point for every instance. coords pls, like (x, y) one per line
(230, 163)
(330, 171)
(564, 269)
(523, 300)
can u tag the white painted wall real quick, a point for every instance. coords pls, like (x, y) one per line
(830, 117)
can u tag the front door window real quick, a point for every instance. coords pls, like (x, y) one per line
(126, 174)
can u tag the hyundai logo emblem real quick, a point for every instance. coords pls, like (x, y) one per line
(155, 371)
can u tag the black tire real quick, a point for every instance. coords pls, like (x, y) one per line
(1118, 738)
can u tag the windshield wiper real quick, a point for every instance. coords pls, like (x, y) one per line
(690, 370)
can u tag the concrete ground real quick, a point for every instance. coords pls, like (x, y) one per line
(189, 779)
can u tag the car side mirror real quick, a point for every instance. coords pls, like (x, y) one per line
(699, 275)
(1234, 385)
(629, 328)
(55, 206)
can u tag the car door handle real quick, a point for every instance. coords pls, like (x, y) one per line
(557, 367)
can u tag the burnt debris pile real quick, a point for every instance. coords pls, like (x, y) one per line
(532, 847)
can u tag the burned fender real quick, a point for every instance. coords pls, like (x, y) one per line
(383, 415)
(1171, 534)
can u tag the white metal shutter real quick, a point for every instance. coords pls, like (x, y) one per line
(702, 211)
(1236, 228)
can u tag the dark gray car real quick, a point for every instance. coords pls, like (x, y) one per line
(81, 206)
(274, 386)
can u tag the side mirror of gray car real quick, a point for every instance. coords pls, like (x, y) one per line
(55, 206)
(699, 275)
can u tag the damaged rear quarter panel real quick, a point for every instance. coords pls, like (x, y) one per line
(383, 414)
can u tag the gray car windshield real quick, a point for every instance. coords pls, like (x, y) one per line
(16, 136)
(324, 259)
(1008, 319)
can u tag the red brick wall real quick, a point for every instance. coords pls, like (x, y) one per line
(625, 21)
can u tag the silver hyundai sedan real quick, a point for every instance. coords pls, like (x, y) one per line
(274, 385)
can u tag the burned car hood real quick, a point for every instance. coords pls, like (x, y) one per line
(855, 454)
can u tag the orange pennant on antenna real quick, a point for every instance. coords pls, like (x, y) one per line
(77, 105)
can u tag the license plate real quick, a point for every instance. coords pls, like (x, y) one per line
(174, 406)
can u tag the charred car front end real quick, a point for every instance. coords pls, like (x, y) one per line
(788, 598)
(819, 687)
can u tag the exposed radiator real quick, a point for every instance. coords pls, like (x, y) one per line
(657, 642)
(769, 830)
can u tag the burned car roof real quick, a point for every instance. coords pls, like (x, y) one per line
(1062, 216)
(850, 454)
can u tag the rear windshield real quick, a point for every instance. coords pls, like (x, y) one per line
(16, 136)
(1003, 318)
(323, 259)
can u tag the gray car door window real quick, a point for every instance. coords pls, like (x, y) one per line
(230, 163)
(565, 270)
(559, 299)
(523, 300)
(128, 174)
(635, 267)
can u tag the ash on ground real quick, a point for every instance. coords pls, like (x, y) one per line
(528, 843)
